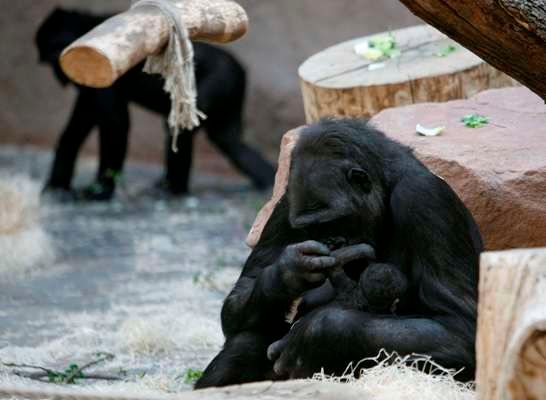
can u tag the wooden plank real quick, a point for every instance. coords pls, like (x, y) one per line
(105, 53)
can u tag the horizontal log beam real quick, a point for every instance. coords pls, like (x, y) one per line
(508, 34)
(105, 53)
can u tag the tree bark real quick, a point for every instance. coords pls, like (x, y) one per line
(101, 56)
(338, 82)
(511, 340)
(508, 34)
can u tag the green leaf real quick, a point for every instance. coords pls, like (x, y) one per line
(191, 375)
(113, 174)
(446, 51)
(378, 47)
(474, 120)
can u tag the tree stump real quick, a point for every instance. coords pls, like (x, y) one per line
(338, 82)
(508, 34)
(511, 341)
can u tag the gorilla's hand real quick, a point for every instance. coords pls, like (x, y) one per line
(319, 338)
(287, 353)
(303, 266)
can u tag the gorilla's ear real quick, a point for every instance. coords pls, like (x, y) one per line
(360, 178)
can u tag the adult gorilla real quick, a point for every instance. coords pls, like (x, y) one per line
(351, 185)
(221, 82)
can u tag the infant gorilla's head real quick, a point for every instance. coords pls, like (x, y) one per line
(382, 286)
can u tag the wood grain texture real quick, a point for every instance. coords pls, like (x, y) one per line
(101, 56)
(511, 339)
(337, 82)
(508, 34)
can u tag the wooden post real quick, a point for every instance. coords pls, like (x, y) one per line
(511, 341)
(289, 141)
(338, 82)
(508, 34)
(105, 53)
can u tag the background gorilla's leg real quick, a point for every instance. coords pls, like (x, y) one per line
(243, 359)
(80, 124)
(226, 135)
(178, 165)
(224, 107)
(113, 118)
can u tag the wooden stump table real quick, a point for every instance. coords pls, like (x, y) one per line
(338, 82)
(511, 342)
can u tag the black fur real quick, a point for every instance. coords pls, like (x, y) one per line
(417, 226)
(221, 85)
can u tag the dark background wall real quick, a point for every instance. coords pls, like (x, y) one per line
(283, 33)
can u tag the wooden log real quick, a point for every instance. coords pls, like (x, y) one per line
(288, 142)
(339, 82)
(511, 339)
(105, 53)
(508, 34)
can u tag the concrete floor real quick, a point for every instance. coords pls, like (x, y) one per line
(140, 278)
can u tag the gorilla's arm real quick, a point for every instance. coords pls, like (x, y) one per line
(436, 241)
(281, 267)
(331, 338)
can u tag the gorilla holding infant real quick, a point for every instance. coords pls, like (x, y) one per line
(379, 252)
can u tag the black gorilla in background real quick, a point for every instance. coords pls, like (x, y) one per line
(221, 89)
(361, 215)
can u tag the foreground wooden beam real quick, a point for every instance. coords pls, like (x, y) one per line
(511, 342)
(294, 389)
(508, 34)
(101, 56)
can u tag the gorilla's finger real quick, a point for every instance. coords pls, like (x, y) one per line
(354, 252)
(315, 277)
(313, 247)
(276, 348)
(318, 296)
(339, 279)
(318, 263)
(282, 365)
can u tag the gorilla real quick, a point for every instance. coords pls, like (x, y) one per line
(221, 82)
(380, 252)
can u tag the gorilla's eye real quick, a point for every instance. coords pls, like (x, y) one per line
(359, 177)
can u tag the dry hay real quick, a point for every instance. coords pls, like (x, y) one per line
(24, 245)
(395, 377)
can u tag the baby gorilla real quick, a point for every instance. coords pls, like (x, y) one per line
(377, 289)
(382, 286)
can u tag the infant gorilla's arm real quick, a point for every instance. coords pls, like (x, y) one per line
(379, 288)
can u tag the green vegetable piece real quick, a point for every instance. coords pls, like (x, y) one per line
(446, 51)
(474, 120)
(191, 375)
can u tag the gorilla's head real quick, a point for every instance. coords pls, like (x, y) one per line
(336, 186)
(60, 29)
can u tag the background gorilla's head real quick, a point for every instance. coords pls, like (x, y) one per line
(60, 29)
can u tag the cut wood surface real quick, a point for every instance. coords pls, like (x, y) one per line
(339, 82)
(511, 340)
(101, 56)
(508, 34)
